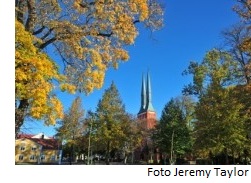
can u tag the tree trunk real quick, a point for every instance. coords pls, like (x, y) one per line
(19, 10)
(171, 159)
(71, 155)
(125, 159)
(226, 156)
(107, 155)
(20, 113)
(30, 22)
(132, 157)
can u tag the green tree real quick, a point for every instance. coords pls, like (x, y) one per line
(109, 125)
(236, 39)
(71, 127)
(133, 136)
(187, 105)
(220, 126)
(172, 135)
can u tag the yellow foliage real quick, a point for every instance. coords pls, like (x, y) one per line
(34, 72)
(89, 35)
(246, 45)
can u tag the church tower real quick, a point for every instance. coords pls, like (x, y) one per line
(147, 113)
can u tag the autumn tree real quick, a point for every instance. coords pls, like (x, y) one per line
(234, 41)
(89, 36)
(172, 134)
(234, 37)
(133, 136)
(110, 122)
(71, 127)
(243, 8)
(34, 74)
(220, 126)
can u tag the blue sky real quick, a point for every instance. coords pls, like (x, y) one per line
(191, 29)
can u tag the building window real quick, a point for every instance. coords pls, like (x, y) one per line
(52, 158)
(32, 157)
(22, 148)
(34, 148)
(21, 157)
(42, 157)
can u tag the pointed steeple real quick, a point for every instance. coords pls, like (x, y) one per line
(143, 96)
(149, 106)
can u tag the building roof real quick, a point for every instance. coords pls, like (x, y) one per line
(47, 143)
(22, 136)
(41, 135)
(41, 139)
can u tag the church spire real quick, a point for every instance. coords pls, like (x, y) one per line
(143, 95)
(146, 95)
(149, 106)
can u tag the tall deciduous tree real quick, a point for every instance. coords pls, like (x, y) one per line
(133, 136)
(220, 126)
(34, 74)
(89, 35)
(235, 38)
(71, 127)
(109, 124)
(243, 8)
(172, 135)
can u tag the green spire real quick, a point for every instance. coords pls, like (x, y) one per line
(146, 95)
(149, 106)
(143, 96)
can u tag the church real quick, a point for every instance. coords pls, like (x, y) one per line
(147, 117)
(147, 113)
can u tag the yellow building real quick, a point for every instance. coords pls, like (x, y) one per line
(38, 149)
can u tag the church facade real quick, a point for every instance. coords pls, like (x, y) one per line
(147, 117)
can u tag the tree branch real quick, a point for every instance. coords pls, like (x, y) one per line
(38, 31)
(42, 46)
(47, 34)
(105, 34)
